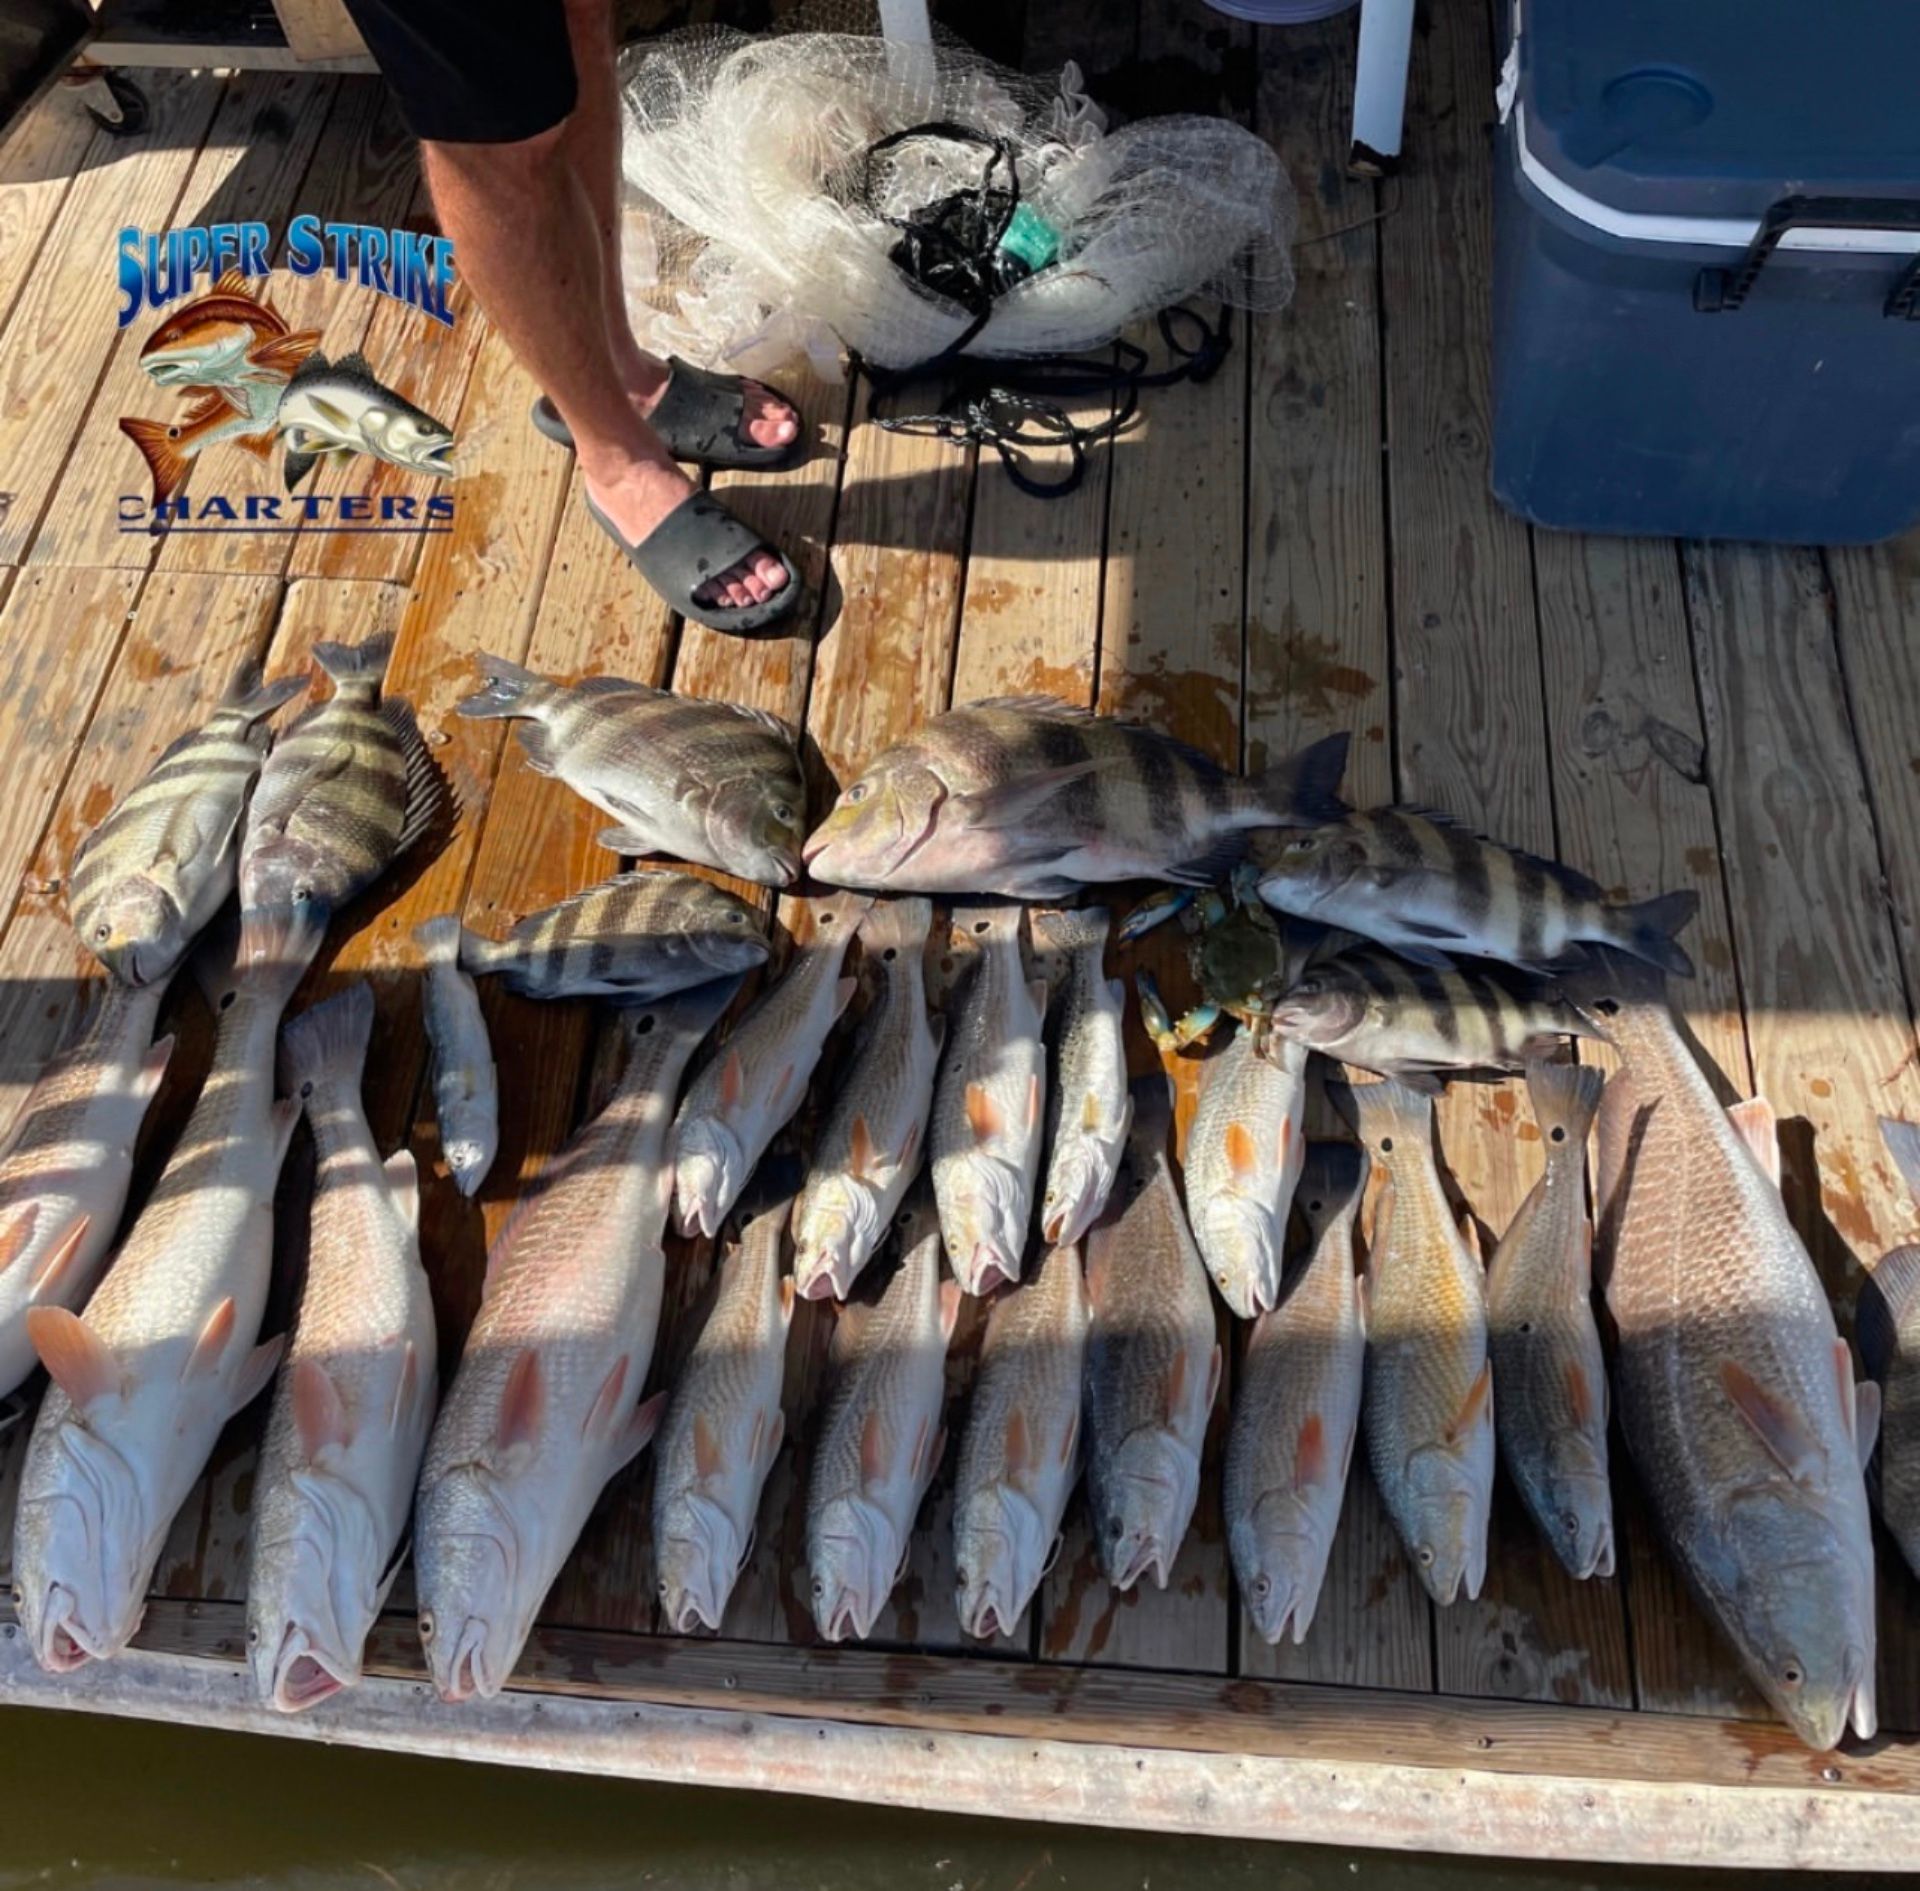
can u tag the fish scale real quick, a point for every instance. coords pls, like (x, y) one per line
(1736, 1393)
(989, 1104)
(67, 1165)
(356, 1392)
(1088, 1106)
(165, 1352)
(756, 1080)
(722, 1431)
(545, 1406)
(1296, 1406)
(1429, 1393)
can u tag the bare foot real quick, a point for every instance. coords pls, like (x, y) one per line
(637, 494)
(767, 419)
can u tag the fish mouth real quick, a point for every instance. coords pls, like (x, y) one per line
(301, 1678)
(1144, 1554)
(986, 1618)
(691, 1614)
(58, 1648)
(468, 1163)
(435, 459)
(467, 1673)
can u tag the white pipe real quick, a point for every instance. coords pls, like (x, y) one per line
(1380, 80)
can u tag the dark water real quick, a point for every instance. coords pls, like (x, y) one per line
(87, 1800)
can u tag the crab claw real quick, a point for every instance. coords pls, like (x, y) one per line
(1155, 910)
(1153, 1010)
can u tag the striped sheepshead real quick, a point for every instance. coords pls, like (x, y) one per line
(346, 790)
(66, 1166)
(355, 1396)
(166, 1351)
(146, 881)
(881, 1438)
(1737, 1396)
(1430, 889)
(1028, 797)
(1887, 1325)
(1243, 1160)
(1020, 1454)
(704, 781)
(1153, 1363)
(988, 1104)
(873, 1139)
(1547, 1365)
(1296, 1406)
(545, 1406)
(1377, 1011)
(722, 1431)
(1088, 1105)
(1429, 1397)
(755, 1081)
(632, 939)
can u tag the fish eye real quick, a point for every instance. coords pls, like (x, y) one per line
(858, 792)
(1262, 1587)
(103, 933)
(819, 1588)
(1304, 845)
(980, 925)
(1313, 1208)
(661, 1587)
(227, 998)
(18, 1594)
(306, 1089)
(426, 1625)
(1557, 1133)
(253, 1638)
(736, 919)
(781, 812)
(644, 1026)
(1425, 1555)
(1791, 1675)
(1113, 1530)
(1570, 1521)
(1386, 1145)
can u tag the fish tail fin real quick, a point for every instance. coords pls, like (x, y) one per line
(439, 939)
(252, 700)
(1331, 1181)
(839, 915)
(1150, 1131)
(509, 691)
(1074, 929)
(1887, 1300)
(1564, 1098)
(690, 1013)
(983, 924)
(897, 925)
(1647, 930)
(481, 955)
(1302, 790)
(297, 465)
(277, 944)
(1903, 1145)
(363, 663)
(158, 447)
(1610, 981)
(1387, 1108)
(327, 1043)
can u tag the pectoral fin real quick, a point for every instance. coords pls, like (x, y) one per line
(1475, 1409)
(319, 1416)
(50, 1279)
(77, 1359)
(1241, 1158)
(1759, 1129)
(211, 1346)
(708, 1458)
(642, 1422)
(1310, 1452)
(1774, 1423)
(402, 1175)
(983, 1114)
(1010, 805)
(258, 1370)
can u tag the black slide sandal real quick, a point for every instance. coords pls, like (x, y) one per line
(698, 420)
(699, 537)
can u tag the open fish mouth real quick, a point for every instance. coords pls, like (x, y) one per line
(301, 1679)
(1132, 1561)
(437, 459)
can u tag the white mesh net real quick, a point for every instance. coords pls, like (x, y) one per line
(757, 227)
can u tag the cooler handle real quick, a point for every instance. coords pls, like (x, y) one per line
(1719, 291)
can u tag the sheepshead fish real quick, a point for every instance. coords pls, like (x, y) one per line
(1243, 1160)
(1088, 1105)
(722, 1432)
(171, 447)
(333, 410)
(1547, 1365)
(1377, 1011)
(1028, 797)
(225, 342)
(1296, 1406)
(1887, 1325)
(147, 880)
(1153, 1365)
(709, 782)
(1428, 888)
(466, 1091)
(633, 939)
(755, 1081)
(165, 1353)
(880, 1441)
(546, 1406)
(988, 1105)
(1020, 1455)
(1429, 1398)
(1736, 1393)
(65, 1169)
(871, 1145)
(346, 790)
(355, 1396)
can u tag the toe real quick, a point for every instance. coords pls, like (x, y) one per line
(769, 570)
(770, 421)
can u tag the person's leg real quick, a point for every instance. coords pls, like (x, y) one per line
(529, 246)
(592, 146)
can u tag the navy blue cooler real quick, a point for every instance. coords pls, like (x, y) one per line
(1707, 268)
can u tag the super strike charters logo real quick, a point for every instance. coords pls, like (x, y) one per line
(246, 381)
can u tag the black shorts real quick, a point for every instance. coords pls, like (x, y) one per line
(472, 71)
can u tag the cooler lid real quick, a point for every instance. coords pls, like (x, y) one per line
(1632, 114)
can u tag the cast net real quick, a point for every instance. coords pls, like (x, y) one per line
(1000, 216)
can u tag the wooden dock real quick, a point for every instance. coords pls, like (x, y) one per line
(1304, 544)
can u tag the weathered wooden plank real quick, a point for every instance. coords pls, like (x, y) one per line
(319, 29)
(39, 159)
(1469, 739)
(253, 164)
(1828, 1016)
(61, 336)
(1318, 662)
(365, 169)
